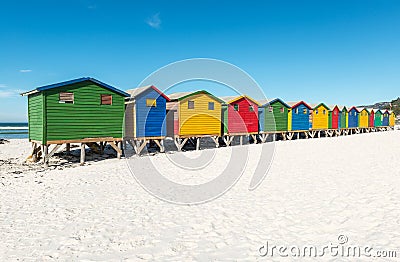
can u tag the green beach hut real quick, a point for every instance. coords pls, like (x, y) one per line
(274, 115)
(82, 110)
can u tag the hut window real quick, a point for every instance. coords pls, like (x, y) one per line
(324, 112)
(282, 110)
(66, 97)
(251, 108)
(316, 111)
(210, 105)
(270, 109)
(236, 107)
(151, 102)
(304, 111)
(335, 113)
(296, 111)
(106, 99)
(190, 104)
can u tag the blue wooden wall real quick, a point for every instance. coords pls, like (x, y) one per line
(150, 121)
(301, 120)
(261, 118)
(353, 118)
(385, 121)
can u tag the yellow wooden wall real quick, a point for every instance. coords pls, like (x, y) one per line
(347, 119)
(363, 118)
(392, 118)
(290, 119)
(200, 120)
(320, 120)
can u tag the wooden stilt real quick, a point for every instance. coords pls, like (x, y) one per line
(82, 154)
(68, 148)
(215, 139)
(241, 140)
(198, 143)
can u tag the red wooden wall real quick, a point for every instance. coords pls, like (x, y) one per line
(243, 121)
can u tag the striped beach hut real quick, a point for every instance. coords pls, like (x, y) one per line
(385, 120)
(353, 117)
(378, 118)
(239, 115)
(273, 115)
(334, 117)
(145, 117)
(363, 117)
(193, 115)
(392, 118)
(371, 121)
(320, 116)
(82, 110)
(343, 117)
(299, 116)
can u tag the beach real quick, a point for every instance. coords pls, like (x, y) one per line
(315, 191)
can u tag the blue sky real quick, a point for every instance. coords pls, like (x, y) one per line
(345, 52)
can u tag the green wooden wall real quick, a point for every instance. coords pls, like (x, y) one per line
(281, 118)
(85, 118)
(35, 116)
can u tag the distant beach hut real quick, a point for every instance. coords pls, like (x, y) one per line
(320, 116)
(82, 110)
(239, 117)
(145, 117)
(353, 117)
(378, 118)
(385, 120)
(273, 116)
(193, 115)
(371, 121)
(343, 117)
(363, 117)
(334, 117)
(299, 116)
(392, 118)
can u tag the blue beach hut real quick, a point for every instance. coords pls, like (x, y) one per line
(385, 119)
(299, 116)
(353, 117)
(145, 116)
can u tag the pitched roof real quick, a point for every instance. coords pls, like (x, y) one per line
(341, 108)
(183, 95)
(140, 90)
(353, 107)
(266, 102)
(361, 109)
(317, 105)
(295, 104)
(75, 81)
(231, 99)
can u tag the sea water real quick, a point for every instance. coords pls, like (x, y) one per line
(13, 130)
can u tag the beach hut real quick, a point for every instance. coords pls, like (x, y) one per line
(371, 121)
(239, 117)
(274, 116)
(191, 115)
(299, 116)
(353, 117)
(363, 117)
(334, 117)
(378, 118)
(145, 117)
(343, 117)
(82, 110)
(385, 119)
(320, 116)
(392, 118)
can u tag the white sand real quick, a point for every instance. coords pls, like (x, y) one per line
(316, 190)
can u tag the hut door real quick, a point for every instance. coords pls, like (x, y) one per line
(171, 122)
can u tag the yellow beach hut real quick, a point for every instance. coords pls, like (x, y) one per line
(191, 115)
(320, 116)
(363, 117)
(392, 118)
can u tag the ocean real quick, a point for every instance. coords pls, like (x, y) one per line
(13, 130)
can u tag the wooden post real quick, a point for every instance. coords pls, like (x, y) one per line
(197, 143)
(82, 154)
(68, 148)
(45, 155)
(241, 140)
(298, 135)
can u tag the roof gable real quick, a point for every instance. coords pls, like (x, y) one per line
(296, 104)
(232, 99)
(183, 95)
(75, 81)
(354, 108)
(136, 92)
(320, 104)
(273, 101)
